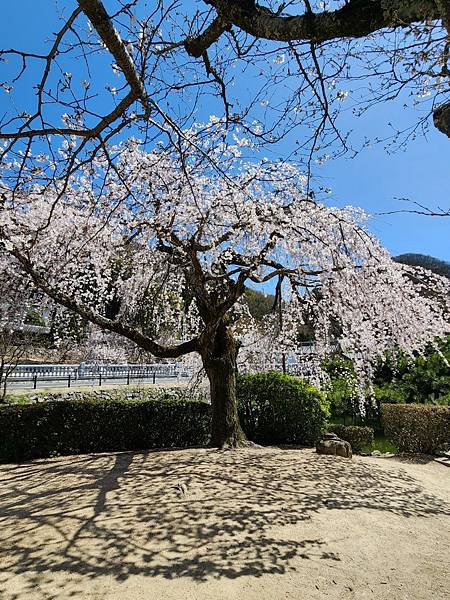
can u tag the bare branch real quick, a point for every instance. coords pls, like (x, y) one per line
(420, 209)
(96, 13)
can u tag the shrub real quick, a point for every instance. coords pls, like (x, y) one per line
(280, 409)
(443, 400)
(390, 393)
(342, 387)
(417, 427)
(357, 436)
(98, 425)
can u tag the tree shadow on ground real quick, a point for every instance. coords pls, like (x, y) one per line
(417, 459)
(190, 513)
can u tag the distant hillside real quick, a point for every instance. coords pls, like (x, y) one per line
(440, 267)
(261, 304)
(258, 303)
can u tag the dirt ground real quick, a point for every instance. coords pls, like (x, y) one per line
(256, 524)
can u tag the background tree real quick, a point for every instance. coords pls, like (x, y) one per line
(421, 379)
(259, 304)
(170, 238)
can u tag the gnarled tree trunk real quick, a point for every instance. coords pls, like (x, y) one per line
(219, 360)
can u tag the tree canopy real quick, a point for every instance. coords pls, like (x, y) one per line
(161, 249)
(268, 69)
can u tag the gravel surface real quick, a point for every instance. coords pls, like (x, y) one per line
(253, 524)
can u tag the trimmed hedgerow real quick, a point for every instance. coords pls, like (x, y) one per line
(358, 437)
(280, 409)
(417, 427)
(97, 425)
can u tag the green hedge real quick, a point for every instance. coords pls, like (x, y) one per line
(97, 425)
(280, 409)
(417, 427)
(358, 437)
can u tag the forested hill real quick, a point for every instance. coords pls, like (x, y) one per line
(440, 267)
(261, 304)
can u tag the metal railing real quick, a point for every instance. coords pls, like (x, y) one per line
(91, 373)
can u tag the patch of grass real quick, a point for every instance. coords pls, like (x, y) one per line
(22, 396)
(380, 443)
(17, 399)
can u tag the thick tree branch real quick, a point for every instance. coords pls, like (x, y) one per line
(441, 118)
(358, 18)
(96, 13)
(87, 313)
(198, 45)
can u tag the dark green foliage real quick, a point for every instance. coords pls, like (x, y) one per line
(33, 317)
(390, 393)
(440, 267)
(341, 389)
(280, 409)
(399, 379)
(96, 425)
(359, 437)
(423, 379)
(417, 427)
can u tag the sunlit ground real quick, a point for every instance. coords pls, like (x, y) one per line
(203, 524)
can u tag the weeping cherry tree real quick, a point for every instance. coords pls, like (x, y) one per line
(159, 247)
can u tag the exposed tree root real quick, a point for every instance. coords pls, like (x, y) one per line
(237, 444)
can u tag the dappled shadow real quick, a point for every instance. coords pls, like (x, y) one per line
(416, 459)
(190, 513)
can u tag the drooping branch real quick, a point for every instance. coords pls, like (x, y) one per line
(116, 259)
(133, 334)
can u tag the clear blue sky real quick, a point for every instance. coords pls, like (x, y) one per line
(372, 180)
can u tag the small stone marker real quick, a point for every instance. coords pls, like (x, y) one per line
(379, 454)
(333, 445)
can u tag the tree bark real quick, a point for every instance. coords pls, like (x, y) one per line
(219, 360)
(441, 118)
(356, 19)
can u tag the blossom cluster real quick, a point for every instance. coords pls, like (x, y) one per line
(165, 243)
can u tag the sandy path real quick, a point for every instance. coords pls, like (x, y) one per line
(200, 524)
